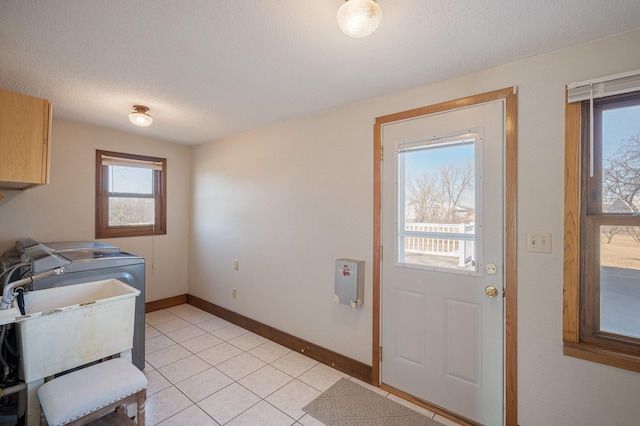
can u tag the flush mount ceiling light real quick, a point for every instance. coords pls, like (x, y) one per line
(139, 116)
(359, 18)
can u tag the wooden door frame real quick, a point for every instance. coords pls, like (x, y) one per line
(509, 95)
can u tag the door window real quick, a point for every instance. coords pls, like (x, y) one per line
(438, 213)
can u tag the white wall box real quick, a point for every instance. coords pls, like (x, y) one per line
(349, 287)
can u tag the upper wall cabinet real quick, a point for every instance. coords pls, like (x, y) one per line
(25, 140)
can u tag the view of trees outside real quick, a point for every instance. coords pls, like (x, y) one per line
(620, 245)
(439, 199)
(439, 184)
(131, 210)
(435, 196)
(621, 177)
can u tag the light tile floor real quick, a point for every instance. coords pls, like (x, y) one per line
(203, 370)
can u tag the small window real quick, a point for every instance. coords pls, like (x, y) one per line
(130, 195)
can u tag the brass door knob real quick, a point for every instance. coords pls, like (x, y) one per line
(490, 291)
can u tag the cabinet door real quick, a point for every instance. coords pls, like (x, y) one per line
(24, 140)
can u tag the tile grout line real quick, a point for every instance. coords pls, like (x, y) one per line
(167, 315)
(234, 381)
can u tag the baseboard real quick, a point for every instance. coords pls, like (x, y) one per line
(156, 305)
(340, 362)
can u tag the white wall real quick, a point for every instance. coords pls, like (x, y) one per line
(288, 199)
(64, 210)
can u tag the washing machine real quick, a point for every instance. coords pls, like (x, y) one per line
(82, 262)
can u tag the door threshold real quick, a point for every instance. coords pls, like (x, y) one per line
(454, 417)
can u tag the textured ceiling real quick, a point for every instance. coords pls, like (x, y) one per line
(211, 68)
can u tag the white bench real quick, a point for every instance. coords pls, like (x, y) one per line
(91, 392)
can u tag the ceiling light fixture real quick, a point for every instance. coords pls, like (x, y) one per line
(139, 116)
(359, 18)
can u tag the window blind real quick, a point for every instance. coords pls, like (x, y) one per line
(596, 88)
(463, 139)
(604, 86)
(126, 162)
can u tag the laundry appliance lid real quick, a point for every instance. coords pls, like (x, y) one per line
(66, 246)
(73, 256)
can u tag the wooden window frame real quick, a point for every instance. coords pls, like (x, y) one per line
(580, 338)
(103, 230)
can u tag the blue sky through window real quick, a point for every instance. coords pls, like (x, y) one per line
(430, 159)
(618, 125)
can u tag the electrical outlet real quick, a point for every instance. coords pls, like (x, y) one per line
(539, 242)
(234, 293)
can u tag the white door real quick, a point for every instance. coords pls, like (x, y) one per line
(442, 284)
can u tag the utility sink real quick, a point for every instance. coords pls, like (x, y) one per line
(70, 326)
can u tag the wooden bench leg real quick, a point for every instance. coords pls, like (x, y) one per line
(141, 399)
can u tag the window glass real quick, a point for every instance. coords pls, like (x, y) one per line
(437, 202)
(130, 180)
(621, 159)
(620, 280)
(619, 260)
(131, 211)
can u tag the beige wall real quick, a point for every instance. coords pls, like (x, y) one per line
(64, 209)
(288, 199)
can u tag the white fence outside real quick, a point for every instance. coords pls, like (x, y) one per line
(440, 239)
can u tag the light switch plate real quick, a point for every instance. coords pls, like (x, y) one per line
(539, 242)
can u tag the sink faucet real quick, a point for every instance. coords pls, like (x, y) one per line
(7, 293)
